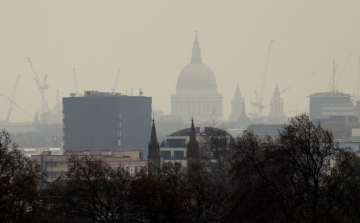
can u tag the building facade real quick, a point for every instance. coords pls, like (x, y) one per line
(184, 146)
(105, 121)
(196, 91)
(330, 104)
(55, 165)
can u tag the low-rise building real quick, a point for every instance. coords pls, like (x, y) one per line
(53, 165)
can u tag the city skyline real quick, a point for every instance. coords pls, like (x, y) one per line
(151, 42)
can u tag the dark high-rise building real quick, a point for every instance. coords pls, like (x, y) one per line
(329, 104)
(106, 121)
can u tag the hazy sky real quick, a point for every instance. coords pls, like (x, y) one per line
(151, 41)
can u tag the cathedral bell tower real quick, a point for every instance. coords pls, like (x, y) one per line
(277, 114)
(236, 106)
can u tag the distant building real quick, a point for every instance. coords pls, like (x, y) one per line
(262, 130)
(243, 121)
(54, 165)
(277, 114)
(183, 146)
(28, 152)
(236, 105)
(196, 91)
(105, 121)
(341, 126)
(330, 104)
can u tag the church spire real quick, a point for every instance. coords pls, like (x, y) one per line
(154, 149)
(192, 147)
(237, 88)
(153, 137)
(196, 51)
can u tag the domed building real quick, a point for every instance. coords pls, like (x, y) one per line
(196, 91)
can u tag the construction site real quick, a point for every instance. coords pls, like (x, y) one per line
(45, 129)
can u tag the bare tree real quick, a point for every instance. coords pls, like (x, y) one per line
(91, 192)
(298, 177)
(159, 196)
(19, 184)
(215, 153)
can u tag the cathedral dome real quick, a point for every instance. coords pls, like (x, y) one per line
(196, 76)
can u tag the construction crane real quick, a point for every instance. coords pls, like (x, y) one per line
(342, 72)
(332, 79)
(12, 98)
(73, 94)
(42, 87)
(11, 101)
(258, 100)
(284, 90)
(116, 81)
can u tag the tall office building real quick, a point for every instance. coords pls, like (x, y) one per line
(104, 121)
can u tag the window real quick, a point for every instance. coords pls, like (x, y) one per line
(179, 155)
(166, 155)
(175, 143)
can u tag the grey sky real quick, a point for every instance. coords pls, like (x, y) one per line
(151, 41)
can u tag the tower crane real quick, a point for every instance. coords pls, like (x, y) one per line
(342, 72)
(11, 101)
(258, 100)
(116, 81)
(12, 98)
(42, 87)
(73, 94)
(284, 90)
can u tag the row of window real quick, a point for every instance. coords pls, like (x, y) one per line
(178, 155)
(92, 133)
(92, 142)
(91, 124)
(92, 115)
(56, 163)
(95, 106)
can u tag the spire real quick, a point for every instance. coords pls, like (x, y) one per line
(154, 148)
(192, 146)
(237, 88)
(276, 92)
(237, 92)
(196, 51)
(153, 138)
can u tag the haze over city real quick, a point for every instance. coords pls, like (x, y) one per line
(151, 41)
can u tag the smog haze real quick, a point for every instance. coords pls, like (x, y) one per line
(151, 41)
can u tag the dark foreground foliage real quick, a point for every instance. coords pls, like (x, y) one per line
(301, 176)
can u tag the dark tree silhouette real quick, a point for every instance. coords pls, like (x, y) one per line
(298, 177)
(19, 184)
(91, 191)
